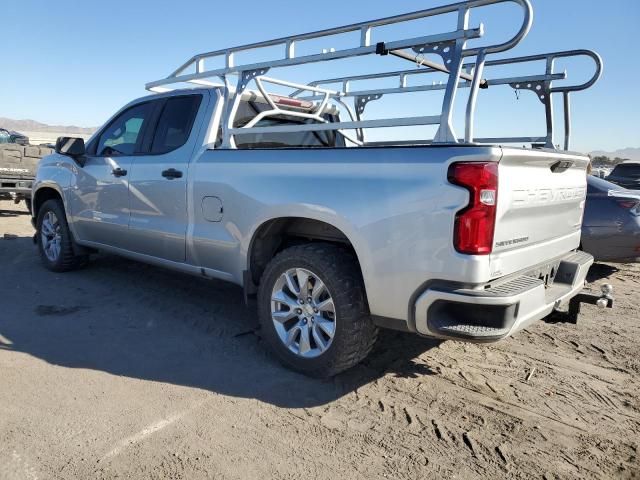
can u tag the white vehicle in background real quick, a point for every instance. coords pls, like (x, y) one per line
(454, 238)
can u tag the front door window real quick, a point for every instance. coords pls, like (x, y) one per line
(123, 135)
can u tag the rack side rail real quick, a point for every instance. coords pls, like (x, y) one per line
(541, 85)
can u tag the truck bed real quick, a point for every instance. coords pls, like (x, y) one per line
(404, 235)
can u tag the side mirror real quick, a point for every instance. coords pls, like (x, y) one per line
(72, 147)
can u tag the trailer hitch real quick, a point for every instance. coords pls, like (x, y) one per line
(602, 301)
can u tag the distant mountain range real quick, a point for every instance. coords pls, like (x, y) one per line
(33, 126)
(30, 126)
(628, 153)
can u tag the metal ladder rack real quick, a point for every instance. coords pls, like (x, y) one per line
(540, 84)
(450, 46)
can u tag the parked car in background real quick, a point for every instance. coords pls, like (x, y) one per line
(10, 136)
(627, 175)
(17, 169)
(611, 226)
(601, 172)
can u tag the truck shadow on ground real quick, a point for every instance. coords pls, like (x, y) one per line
(134, 320)
(600, 271)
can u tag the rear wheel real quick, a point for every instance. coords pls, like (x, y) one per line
(54, 239)
(313, 311)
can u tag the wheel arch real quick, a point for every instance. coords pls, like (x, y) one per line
(44, 193)
(276, 234)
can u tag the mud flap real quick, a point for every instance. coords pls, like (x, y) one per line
(249, 288)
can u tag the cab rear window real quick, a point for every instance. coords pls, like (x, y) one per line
(248, 110)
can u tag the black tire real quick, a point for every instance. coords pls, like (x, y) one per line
(67, 259)
(355, 334)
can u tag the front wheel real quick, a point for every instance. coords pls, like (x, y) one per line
(313, 312)
(54, 239)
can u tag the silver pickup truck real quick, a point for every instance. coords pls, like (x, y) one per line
(336, 235)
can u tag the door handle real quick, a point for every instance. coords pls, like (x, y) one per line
(172, 173)
(119, 172)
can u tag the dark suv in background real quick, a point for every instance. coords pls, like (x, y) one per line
(626, 174)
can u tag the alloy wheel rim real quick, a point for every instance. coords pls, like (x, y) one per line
(303, 313)
(51, 236)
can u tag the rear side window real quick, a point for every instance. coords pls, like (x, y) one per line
(124, 133)
(175, 123)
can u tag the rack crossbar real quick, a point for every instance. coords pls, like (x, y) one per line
(364, 26)
(490, 140)
(438, 86)
(313, 127)
(320, 57)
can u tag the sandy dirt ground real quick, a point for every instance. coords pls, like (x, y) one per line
(123, 370)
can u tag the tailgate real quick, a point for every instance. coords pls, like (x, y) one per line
(19, 161)
(541, 196)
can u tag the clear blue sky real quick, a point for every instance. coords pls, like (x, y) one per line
(72, 62)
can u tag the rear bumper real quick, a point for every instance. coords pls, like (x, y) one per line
(496, 310)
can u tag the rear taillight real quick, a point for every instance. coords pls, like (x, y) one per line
(627, 203)
(632, 205)
(475, 224)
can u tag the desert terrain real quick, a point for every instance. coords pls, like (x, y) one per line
(123, 370)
